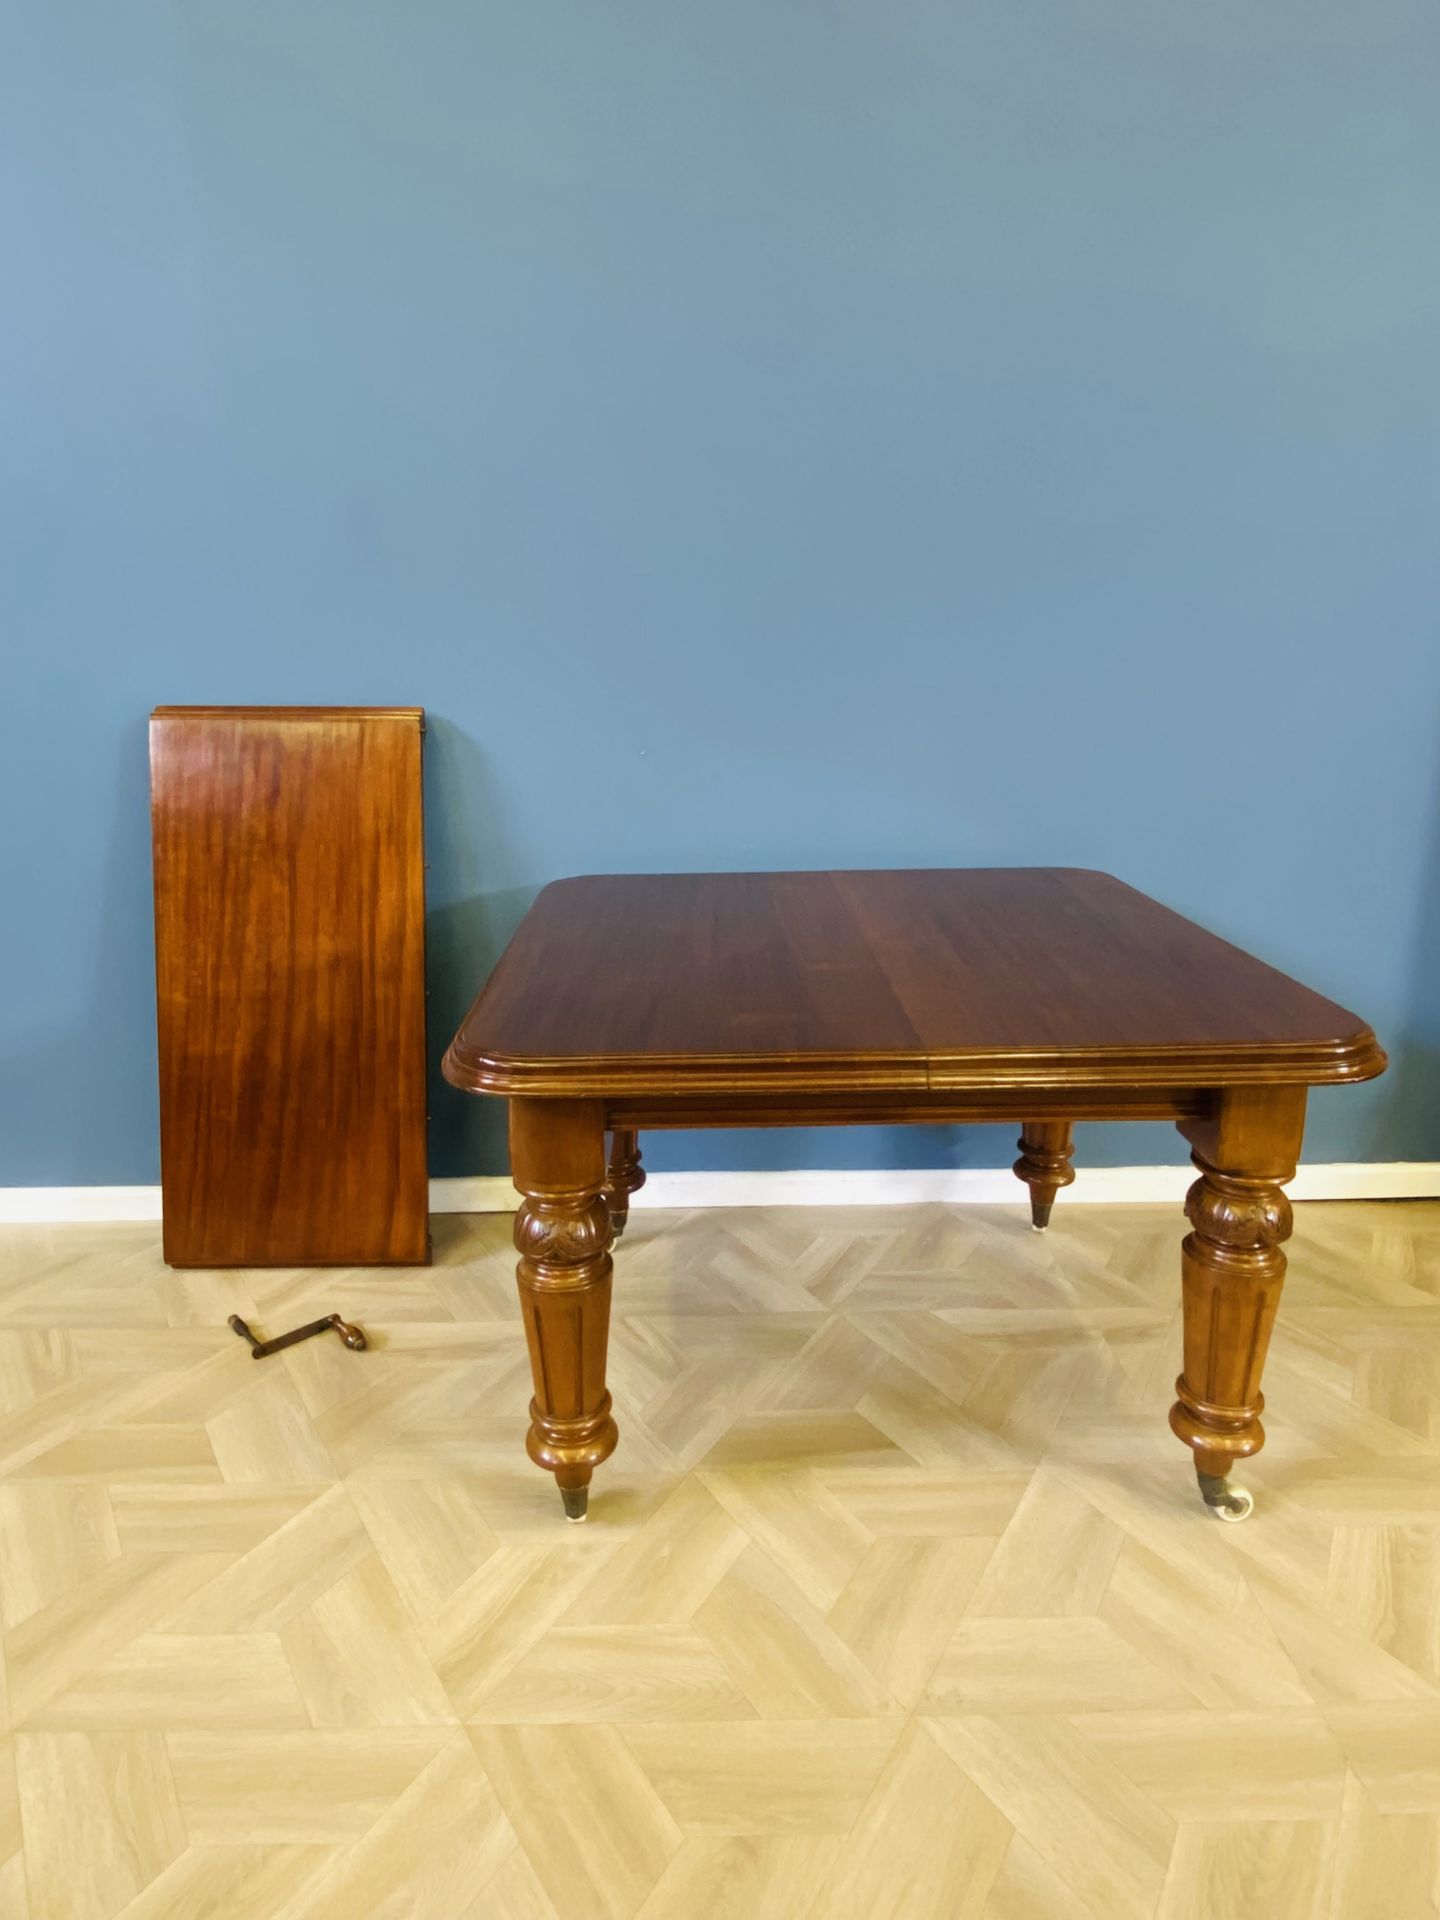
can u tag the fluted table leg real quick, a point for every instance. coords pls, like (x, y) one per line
(1044, 1165)
(563, 1232)
(624, 1176)
(1233, 1268)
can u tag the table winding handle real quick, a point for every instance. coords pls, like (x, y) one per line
(350, 1335)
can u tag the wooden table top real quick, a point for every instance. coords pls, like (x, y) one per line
(935, 979)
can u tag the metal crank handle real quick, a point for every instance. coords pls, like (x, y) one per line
(351, 1336)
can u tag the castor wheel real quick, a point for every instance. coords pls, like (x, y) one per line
(576, 1501)
(1225, 1501)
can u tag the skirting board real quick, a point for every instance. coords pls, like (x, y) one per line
(870, 1187)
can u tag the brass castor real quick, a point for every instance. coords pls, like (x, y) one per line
(1225, 1501)
(576, 1501)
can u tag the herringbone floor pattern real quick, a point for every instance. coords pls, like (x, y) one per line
(896, 1601)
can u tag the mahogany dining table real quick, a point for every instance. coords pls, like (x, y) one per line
(1039, 995)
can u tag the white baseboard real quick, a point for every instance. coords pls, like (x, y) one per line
(962, 1186)
(869, 1187)
(46, 1206)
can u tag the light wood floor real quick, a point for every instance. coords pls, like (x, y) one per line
(897, 1600)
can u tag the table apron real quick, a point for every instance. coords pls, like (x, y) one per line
(1012, 1104)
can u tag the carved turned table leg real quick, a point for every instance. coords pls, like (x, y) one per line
(563, 1232)
(1233, 1268)
(624, 1177)
(1044, 1165)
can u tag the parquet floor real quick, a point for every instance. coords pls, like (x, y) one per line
(896, 1601)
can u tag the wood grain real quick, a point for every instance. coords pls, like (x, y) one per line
(290, 960)
(896, 982)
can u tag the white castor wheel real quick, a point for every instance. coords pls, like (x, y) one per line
(576, 1501)
(1225, 1501)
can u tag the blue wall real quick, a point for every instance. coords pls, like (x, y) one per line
(762, 435)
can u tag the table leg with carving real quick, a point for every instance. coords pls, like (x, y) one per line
(1044, 1165)
(1233, 1267)
(624, 1176)
(563, 1232)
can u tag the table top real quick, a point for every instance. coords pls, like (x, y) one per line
(987, 977)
